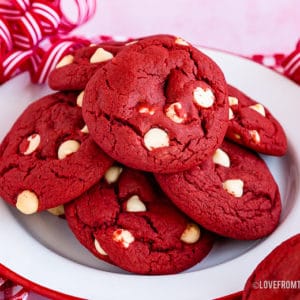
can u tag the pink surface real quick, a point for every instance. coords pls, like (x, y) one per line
(243, 27)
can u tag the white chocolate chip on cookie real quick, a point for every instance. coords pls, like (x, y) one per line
(237, 136)
(191, 234)
(180, 41)
(220, 157)
(101, 55)
(230, 114)
(123, 236)
(234, 187)
(57, 210)
(156, 138)
(134, 204)
(99, 248)
(146, 110)
(112, 174)
(84, 129)
(172, 112)
(233, 100)
(203, 97)
(79, 99)
(66, 60)
(34, 141)
(259, 108)
(27, 202)
(255, 136)
(67, 148)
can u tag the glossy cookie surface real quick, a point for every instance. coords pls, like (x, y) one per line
(253, 126)
(126, 220)
(74, 70)
(233, 193)
(159, 105)
(48, 157)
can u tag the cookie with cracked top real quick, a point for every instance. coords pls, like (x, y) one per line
(126, 220)
(232, 193)
(277, 276)
(159, 105)
(252, 125)
(48, 158)
(74, 70)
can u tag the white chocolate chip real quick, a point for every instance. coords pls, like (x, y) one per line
(146, 110)
(112, 174)
(67, 148)
(255, 136)
(237, 136)
(220, 157)
(172, 112)
(80, 99)
(34, 141)
(66, 60)
(180, 41)
(57, 211)
(234, 187)
(191, 234)
(233, 100)
(156, 138)
(259, 108)
(203, 97)
(27, 202)
(230, 114)
(123, 236)
(99, 248)
(84, 129)
(134, 204)
(100, 55)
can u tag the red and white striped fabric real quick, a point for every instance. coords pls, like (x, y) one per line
(291, 65)
(12, 291)
(288, 65)
(31, 31)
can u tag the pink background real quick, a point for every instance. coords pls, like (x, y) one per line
(239, 26)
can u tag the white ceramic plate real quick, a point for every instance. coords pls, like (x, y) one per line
(42, 249)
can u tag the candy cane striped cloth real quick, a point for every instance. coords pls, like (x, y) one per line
(32, 30)
(288, 65)
(12, 291)
(291, 65)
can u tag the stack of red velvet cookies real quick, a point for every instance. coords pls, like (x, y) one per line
(151, 152)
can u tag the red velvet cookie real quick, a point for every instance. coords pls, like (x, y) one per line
(277, 276)
(159, 105)
(252, 125)
(126, 220)
(233, 193)
(74, 70)
(48, 158)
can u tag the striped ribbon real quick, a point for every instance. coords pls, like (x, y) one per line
(26, 26)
